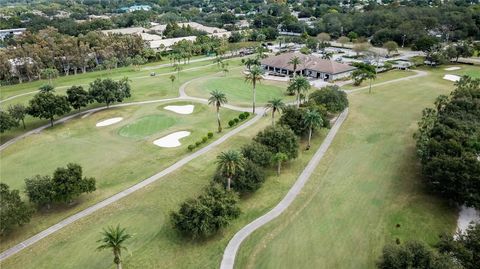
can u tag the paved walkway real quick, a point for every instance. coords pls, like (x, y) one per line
(231, 250)
(183, 96)
(418, 74)
(234, 244)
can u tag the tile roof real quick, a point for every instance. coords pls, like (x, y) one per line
(310, 62)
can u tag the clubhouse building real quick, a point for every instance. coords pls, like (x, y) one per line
(310, 66)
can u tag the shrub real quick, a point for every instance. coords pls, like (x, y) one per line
(14, 210)
(241, 116)
(191, 147)
(198, 143)
(65, 185)
(236, 120)
(210, 135)
(294, 118)
(231, 123)
(204, 139)
(244, 181)
(257, 153)
(247, 114)
(279, 139)
(208, 213)
(331, 97)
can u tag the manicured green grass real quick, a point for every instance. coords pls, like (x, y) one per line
(155, 243)
(147, 126)
(368, 182)
(144, 87)
(117, 162)
(237, 90)
(382, 77)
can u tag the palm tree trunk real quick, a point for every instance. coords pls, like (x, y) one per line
(370, 89)
(254, 93)
(218, 120)
(229, 180)
(119, 265)
(279, 166)
(51, 122)
(298, 100)
(309, 137)
(273, 117)
(23, 122)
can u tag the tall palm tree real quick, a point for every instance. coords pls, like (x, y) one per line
(114, 238)
(275, 104)
(229, 162)
(254, 76)
(312, 120)
(299, 85)
(217, 98)
(371, 76)
(251, 62)
(172, 79)
(295, 61)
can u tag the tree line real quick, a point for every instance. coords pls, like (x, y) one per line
(48, 53)
(242, 172)
(48, 105)
(448, 147)
(65, 185)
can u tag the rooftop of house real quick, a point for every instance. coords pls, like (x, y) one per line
(310, 62)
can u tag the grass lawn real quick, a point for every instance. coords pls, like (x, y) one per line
(144, 87)
(237, 90)
(117, 155)
(146, 215)
(368, 182)
(382, 77)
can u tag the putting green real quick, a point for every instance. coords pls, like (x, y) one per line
(147, 126)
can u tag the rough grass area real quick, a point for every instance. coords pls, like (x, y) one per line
(117, 162)
(155, 243)
(368, 182)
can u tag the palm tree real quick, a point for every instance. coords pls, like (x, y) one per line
(250, 62)
(178, 68)
(172, 79)
(275, 104)
(312, 120)
(295, 61)
(371, 76)
(229, 162)
(299, 85)
(217, 98)
(114, 239)
(254, 76)
(278, 158)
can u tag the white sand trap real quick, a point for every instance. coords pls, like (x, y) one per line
(454, 78)
(109, 121)
(186, 109)
(171, 140)
(452, 68)
(467, 215)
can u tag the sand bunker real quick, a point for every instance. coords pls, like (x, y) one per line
(451, 77)
(109, 121)
(467, 215)
(452, 68)
(186, 109)
(171, 140)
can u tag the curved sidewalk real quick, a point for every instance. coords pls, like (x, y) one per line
(231, 250)
(32, 240)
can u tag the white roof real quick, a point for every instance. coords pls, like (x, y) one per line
(131, 30)
(168, 42)
(150, 37)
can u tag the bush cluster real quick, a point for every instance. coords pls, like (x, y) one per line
(204, 139)
(208, 213)
(241, 117)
